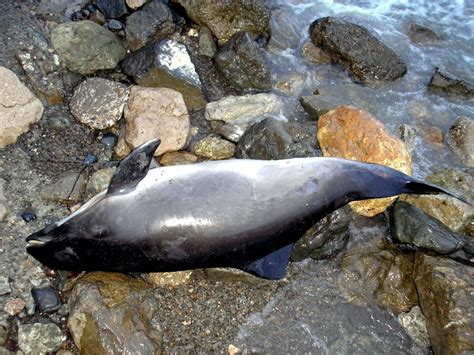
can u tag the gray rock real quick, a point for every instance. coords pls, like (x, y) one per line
(4, 286)
(243, 65)
(100, 180)
(98, 102)
(112, 8)
(207, 46)
(149, 24)
(16, 101)
(40, 338)
(318, 105)
(326, 238)
(421, 34)
(273, 139)
(446, 83)
(239, 112)
(166, 64)
(461, 140)
(46, 299)
(414, 323)
(66, 190)
(135, 4)
(3, 202)
(86, 47)
(225, 18)
(368, 59)
(411, 227)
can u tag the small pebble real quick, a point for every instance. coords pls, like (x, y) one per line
(109, 140)
(46, 299)
(4, 285)
(28, 216)
(115, 25)
(14, 306)
(90, 159)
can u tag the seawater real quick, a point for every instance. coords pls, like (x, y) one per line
(405, 101)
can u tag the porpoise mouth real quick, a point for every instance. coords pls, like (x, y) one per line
(37, 240)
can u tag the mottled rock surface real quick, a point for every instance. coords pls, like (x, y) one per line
(18, 108)
(461, 140)
(100, 180)
(214, 148)
(414, 323)
(178, 158)
(98, 102)
(243, 65)
(449, 84)
(350, 133)
(207, 46)
(225, 18)
(156, 113)
(40, 338)
(67, 189)
(86, 47)
(367, 58)
(112, 313)
(445, 290)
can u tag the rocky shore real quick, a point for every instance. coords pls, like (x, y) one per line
(85, 82)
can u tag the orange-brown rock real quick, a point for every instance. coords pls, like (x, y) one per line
(355, 134)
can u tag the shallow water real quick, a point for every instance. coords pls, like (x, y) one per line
(405, 101)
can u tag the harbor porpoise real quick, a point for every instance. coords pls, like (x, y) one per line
(245, 214)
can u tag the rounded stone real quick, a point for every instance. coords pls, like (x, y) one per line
(40, 338)
(214, 148)
(98, 102)
(46, 299)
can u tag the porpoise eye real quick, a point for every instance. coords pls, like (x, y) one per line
(98, 231)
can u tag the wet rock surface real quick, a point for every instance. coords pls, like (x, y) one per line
(449, 84)
(461, 140)
(343, 133)
(46, 299)
(18, 107)
(226, 18)
(243, 65)
(445, 290)
(419, 33)
(99, 102)
(368, 59)
(214, 148)
(178, 158)
(85, 47)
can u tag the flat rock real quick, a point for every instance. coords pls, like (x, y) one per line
(86, 47)
(39, 338)
(98, 102)
(445, 290)
(214, 148)
(318, 105)
(272, 139)
(67, 189)
(113, 313)
(461, 140)
(443, 82)
(157, 113)
(19, 108)
(225, 18)
(166, 64)
(243, 65)
(178, 158)
(367, 58)
(151, 23)
(239, 112)
(351, 133)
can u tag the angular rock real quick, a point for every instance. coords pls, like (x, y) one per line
(66, 190)
(239, 112)
(421, 34)
(411, 227)
(135, 4)
(461, 140)
(46, 299)
(166, 64)
(446, 83)
(367, 58)
(156, 113)
(4, 286)
(207, 46)
(271, 139)
(326, 238)
(243, 65)
(314, 54)
(445, 290)
(14, 306)
(225, 18)
(112, 8)
(350, 133)
(150, 24)
(100, 180)
(98, 102)
(214, 148)
(454, 179)
(414, 323)
(39, 338)
(178, 158)
(318, 105)
(113, 313)
(19, 108)
(86, 47)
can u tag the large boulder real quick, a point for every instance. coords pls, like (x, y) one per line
(86, 47)
(225, 18)
(445, 290)
(242, 64)
(19, 108)
(367, 58)
(156, 113)
(166, 63)
(351, 133)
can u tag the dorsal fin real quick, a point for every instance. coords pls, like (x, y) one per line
(271, 266)
(133, 168)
